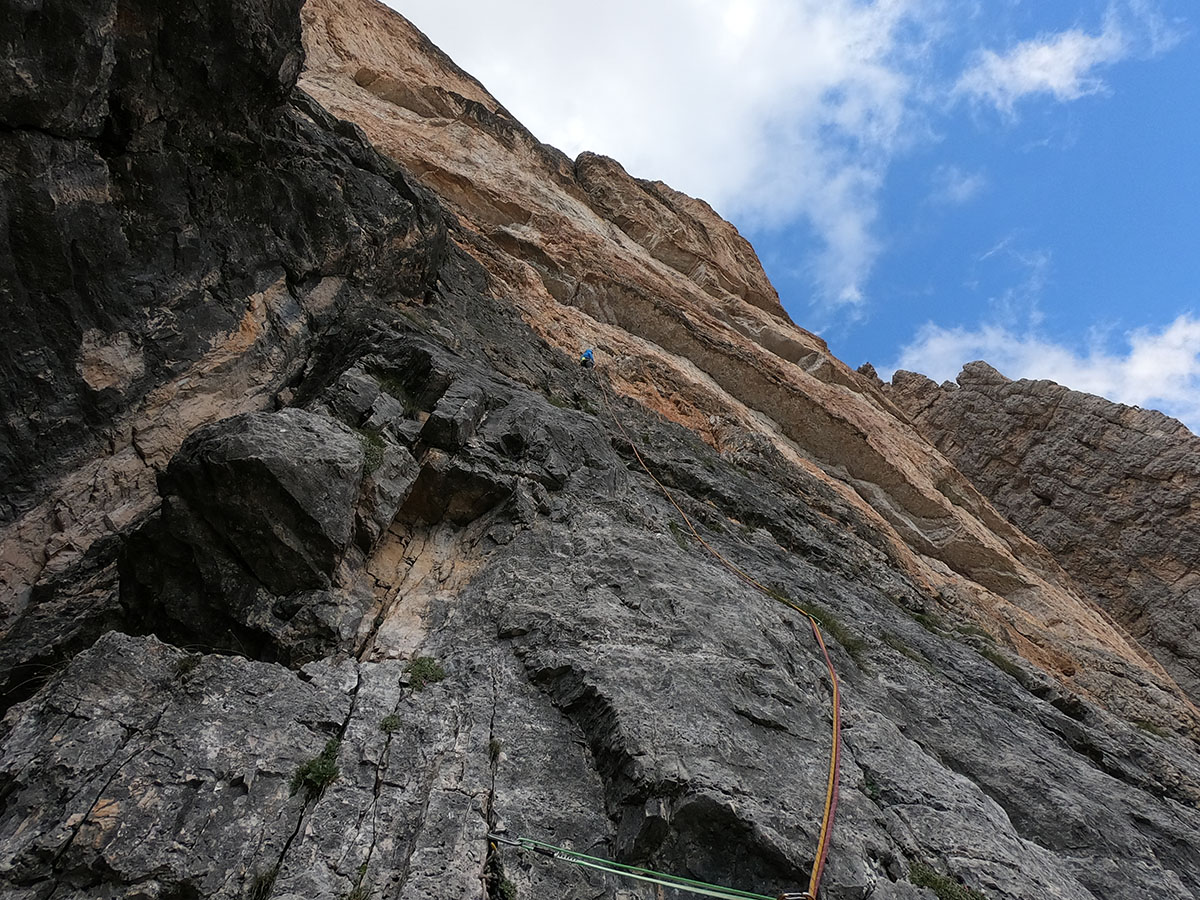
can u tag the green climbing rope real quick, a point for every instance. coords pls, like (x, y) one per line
(622, 870)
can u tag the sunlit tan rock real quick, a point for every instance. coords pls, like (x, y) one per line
(684, 319)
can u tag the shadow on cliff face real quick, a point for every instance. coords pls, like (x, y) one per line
(162, 175)
(145, 198)
(258, 512)
(268, 520)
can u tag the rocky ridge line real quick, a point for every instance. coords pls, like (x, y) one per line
(1112, 491)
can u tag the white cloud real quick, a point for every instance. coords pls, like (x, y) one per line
(1062, 65)
(1065, 65)
(1157, 369)
(954, 187)
(1159, 36)
(776, 113)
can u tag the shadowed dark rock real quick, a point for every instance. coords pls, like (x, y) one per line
(159, 170)
(278, 489)
(59, 58)
(258, 512)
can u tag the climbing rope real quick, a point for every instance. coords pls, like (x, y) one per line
(622, 870)
(831, 789)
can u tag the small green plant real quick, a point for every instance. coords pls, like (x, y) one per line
(1003, 663)
(946, 888)
(851, 643)
(1150, 728)
(263, 884)
(373, 447)
(493, 750)
(928, 621)
(389, 723)
(871, 789)
(423, 671)
(185, 665)
(830, 624)
(974, 631)
(507, 890)
(677, 533)
(390, 384)
(319, 772)
(360, 891)
(902, 648)
(779, 593)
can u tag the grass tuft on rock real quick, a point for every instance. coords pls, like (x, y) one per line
(830, 624)
(897, 644)
(361, 890)
(975, 631)
(929, 621)
(507, 890)
(1003, 663)
(945, 888)
(423, 671)
(319, 772)
(390, 384)
(390, 723)
(263, 884)
(373, 447)
(185, 665)
(1150, 728)
(677, 533)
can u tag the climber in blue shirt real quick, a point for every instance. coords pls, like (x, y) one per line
(586, 359)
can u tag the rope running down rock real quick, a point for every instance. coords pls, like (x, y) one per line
(831, 790)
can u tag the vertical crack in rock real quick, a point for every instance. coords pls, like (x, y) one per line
(492, 874)
(132, 735)
(311, 802)
(372, 811)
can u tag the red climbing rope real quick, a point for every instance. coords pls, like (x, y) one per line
(831, 790)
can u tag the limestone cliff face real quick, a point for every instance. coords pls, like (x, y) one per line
(180, 228)
(1112, 491)
(321, 556)
(686, 322)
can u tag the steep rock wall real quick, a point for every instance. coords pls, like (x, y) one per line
(685, 320)
(176, 236)
(379, 572)
(1112, 491)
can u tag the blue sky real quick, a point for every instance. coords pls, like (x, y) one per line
(927, 182)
